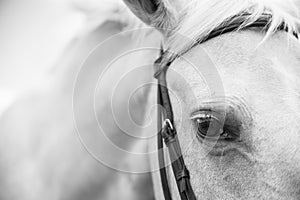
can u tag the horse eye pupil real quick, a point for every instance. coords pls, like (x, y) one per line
(203, 128)
(209, 128)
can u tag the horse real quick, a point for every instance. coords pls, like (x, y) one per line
(234, 95)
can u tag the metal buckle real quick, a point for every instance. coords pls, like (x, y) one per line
(168, 122)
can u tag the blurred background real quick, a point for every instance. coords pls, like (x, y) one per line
(34, 33)
(43, 44)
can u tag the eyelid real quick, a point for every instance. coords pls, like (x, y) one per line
(200, 115)
(205, 115)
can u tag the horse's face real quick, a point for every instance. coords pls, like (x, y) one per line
(252, 89)
(259, 155)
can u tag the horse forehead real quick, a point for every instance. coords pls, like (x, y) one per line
(237, 59)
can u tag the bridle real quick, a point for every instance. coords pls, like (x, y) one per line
(166, 128)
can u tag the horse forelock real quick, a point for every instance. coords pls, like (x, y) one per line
(199, 17)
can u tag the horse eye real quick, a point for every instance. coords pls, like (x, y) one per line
(210, 128)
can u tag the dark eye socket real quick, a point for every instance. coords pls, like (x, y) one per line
(210, 128)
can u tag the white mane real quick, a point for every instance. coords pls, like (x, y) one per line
(200, 17)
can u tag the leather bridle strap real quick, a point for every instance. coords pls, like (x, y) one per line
(263, 22)
(167, 132)
(161, 160)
